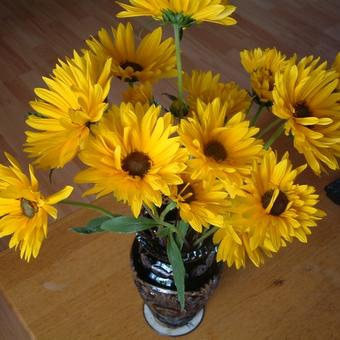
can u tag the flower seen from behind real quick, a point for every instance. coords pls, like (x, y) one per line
(190, 11)
(134, 155)
(73, 101)
(24, 210)
(151, 60)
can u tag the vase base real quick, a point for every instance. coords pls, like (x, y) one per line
(162, 329)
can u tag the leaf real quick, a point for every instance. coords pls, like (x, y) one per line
(182, 231)
(94, 226)
(164, 232)
(178, 269)
(128, 224)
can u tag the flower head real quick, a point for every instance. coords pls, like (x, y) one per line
(262, 65)
(184, 13)
(206, 86)
(336, 67)
(24, 210)
(219, 147)
(134, 156)
(305, 96)
(73, 101)
(141, 93)
(275, 209)
(200, 203)
(152, 60)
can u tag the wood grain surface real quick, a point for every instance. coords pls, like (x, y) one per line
(81, 288)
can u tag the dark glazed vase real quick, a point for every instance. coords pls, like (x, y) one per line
(154, 280)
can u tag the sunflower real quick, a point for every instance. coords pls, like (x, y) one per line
(74, 100)
(152, 60)
(262, 65)
(181, 12)
(336, 67)
(274, 209)
(134, 155)
(200, 203)
(141, 93)
(305, 96)
(24, 210)
(206, 86)
(221, 149)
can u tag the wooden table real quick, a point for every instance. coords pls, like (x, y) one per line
(81, 287)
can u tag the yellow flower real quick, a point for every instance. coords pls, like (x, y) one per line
(305, 96)
(24, 210)
(134, 155)
(206, 86)
(141, 93)
(336, 67)
(275, 209)
(262, 65)
(72, 103)
(152, 60)
(220, 148)
(233, 248)
(200, 203)
(215, 11)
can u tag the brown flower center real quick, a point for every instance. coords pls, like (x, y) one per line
(302, 110)
(279, 205)
(29, 208)
(215, 150)
(136, 164)
(187, 192)
(136, 68)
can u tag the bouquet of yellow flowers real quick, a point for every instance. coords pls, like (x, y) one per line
(198, 169)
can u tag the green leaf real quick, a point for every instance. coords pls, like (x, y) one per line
(164, 232)
(182, 227)
(94, 226)
(178, 269)
(128, 224)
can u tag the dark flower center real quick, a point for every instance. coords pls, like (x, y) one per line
(137, 164)
(136, 68)
(279, 205)
(187, 192)
(215, 150)
(302, 110)
(29, 208)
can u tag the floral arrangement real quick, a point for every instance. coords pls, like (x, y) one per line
(199, 165)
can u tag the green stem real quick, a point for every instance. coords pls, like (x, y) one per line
(250, 106)
(257, 115)
(269, 127)
(177, 29)
(205, 235)
(274, 137)
(167, 209)
(88, 206)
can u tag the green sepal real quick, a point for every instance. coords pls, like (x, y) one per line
(176, 261)
(184, 21)
(128, 224)
(93, 226)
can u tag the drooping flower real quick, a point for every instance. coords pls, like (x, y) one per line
(220, 148)
(73, 101)
(262, 65)
(134, 155)
(206, 86)
(24, 210)
(141, 93)
(152, 60)
(275, 209)
(233, 247)
(181, 12)
(305, 96)
(201, 203)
